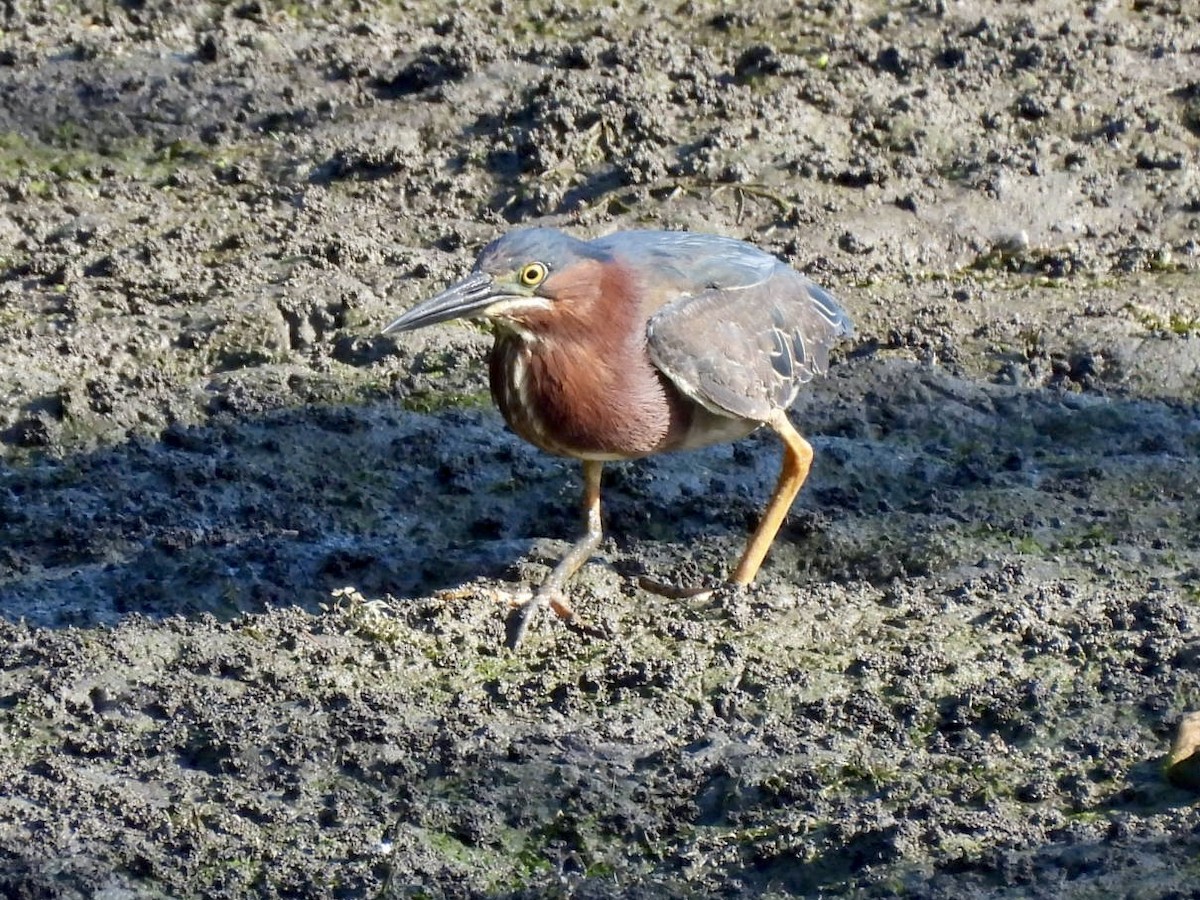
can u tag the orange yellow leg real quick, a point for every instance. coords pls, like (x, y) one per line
(551, 592)
(797, 459)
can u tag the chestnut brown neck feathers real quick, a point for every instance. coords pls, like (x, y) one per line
(578, 383)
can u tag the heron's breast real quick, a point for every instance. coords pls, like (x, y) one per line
(571, 400)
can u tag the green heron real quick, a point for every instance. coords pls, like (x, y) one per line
(638, 343)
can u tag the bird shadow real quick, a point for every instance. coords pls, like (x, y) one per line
(262, 509)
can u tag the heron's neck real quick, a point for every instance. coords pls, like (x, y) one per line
(577, 394)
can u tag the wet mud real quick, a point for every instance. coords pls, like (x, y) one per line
(255, 558)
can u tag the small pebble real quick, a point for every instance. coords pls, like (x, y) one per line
(1183, 762)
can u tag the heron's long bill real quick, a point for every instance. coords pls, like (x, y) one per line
(463, 299)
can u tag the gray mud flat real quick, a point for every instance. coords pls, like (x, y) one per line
(961, 667)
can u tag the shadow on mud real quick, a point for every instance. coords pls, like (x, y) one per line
(915, 474)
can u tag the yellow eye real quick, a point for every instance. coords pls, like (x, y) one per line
(533, 274)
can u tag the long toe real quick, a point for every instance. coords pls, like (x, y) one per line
(556, 599)
(522, 615)
(674, 591)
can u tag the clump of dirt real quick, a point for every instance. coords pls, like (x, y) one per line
(255, 558)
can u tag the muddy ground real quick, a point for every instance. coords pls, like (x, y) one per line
(963, 663)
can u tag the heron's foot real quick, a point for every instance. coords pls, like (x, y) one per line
(526, 607)
(526, 598)
(674, 591)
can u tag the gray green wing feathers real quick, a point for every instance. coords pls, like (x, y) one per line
(745, 345)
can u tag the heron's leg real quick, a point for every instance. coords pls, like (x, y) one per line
(797, 458)
(551, 592)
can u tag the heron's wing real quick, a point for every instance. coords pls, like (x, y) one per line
(743, 348)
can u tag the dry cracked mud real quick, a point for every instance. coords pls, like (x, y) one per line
(962, 666)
